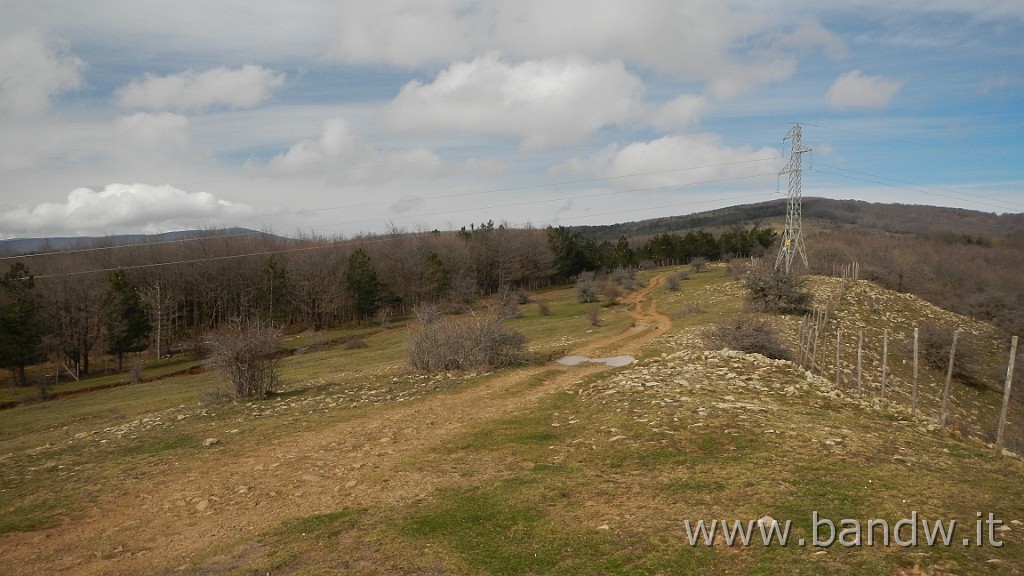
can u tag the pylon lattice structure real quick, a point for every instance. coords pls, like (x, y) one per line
(793, 237)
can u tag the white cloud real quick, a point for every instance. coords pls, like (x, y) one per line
(122, 208)
(339, 153)
(855, 90)
(542, 102)
(32, 72)
(242, 87)
(681, 112)
(153, 131)
(730, 46)
(675, 160)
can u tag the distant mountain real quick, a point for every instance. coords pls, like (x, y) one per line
(18, 246)
(824, 214)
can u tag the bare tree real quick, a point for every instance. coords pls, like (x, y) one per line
(244, 351)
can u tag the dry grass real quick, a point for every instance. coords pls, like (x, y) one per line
(596, 477)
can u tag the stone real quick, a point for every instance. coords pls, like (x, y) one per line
(202, 505)
(211, 441)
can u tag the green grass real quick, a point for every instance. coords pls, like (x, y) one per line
(576, 483)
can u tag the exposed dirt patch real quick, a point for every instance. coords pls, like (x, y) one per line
(163, 520)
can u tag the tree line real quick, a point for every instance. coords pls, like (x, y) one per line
(75, 306)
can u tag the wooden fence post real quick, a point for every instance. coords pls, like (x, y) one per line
(949, 379)
(860, 357)
(839, 332)
(885, 359)
(1006, 394)
(913, 395)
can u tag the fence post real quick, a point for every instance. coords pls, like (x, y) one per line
(860, 357)
(949, 379)
(839, 332)
(1006, 394)
(913, 395)
(885, 359)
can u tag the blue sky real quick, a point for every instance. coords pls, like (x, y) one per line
(339, 118)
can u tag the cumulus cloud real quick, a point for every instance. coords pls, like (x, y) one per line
(340, 153)
(681, 112)
(542, 102)
(33, 72)
(242, 87)
(674, 160)
(121, 208)
(855, 90)
(728, 45)
(153, 131)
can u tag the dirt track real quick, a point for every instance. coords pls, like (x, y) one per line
(210, 502)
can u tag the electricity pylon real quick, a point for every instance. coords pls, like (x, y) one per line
(793, 237)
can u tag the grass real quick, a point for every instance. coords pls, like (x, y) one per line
(597, 477)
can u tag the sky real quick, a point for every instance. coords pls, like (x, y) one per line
(340, 118)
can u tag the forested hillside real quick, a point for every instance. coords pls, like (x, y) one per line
(162, 296)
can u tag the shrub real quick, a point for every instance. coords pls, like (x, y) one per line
(776, 291)
(747, 333)
(934, 343)
(470, 343)
(543, 308)
(593, 314)
(428, 312)
(626, 278)
(523, 297)
(610, 291)
(245, 353)
(699, 264)
(673, 280)
(586, 288)
(354, 344)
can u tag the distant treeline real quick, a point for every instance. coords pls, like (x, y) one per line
(164, 296)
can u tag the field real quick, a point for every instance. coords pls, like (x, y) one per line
(362, 466)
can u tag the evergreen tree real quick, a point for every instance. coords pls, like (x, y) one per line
(127, 320)
(439, 281)
(21, 331)
(363, 286)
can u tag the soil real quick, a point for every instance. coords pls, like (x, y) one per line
(171, 520)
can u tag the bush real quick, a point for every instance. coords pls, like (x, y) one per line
(776, 291)
(354, 344)
(699, 264)
(610, 291)
(428, 313)
(934, 343)
(673, 281)
(471, 343)
(626, 278)
(747, 333)
(586, 288)
(593, 314)
(245, 353)
(543, 308)
(523, 297)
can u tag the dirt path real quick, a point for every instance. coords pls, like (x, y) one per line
(217, 499)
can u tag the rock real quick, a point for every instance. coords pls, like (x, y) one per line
(211, 441)
(604, 527)
(202, 505)
(351, 483)
(767, 521)
(616, 438)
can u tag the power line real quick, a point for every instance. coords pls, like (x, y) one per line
(363, 241)
(916, 187)
(439, 197)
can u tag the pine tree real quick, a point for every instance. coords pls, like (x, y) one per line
(127, 321)
(363, 286)
(439, 281)
(21, 331)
